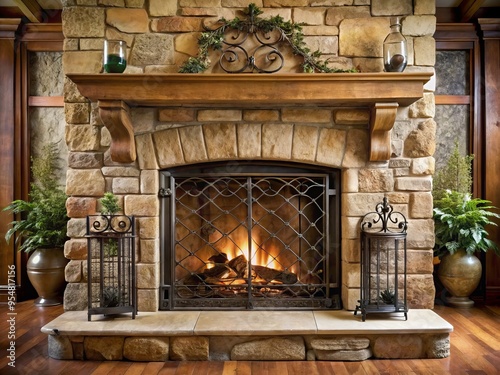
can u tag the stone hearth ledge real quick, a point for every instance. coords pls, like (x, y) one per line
(315, 335)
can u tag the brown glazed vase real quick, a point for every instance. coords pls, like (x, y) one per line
(46, 273)
(460, 274)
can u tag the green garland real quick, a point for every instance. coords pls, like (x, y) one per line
(290, 32)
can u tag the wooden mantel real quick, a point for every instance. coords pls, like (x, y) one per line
(381, 92)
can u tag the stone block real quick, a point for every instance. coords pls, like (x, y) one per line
(80, 206)
(147, 300)
(81, 22)
(306, 115)
(216, 115)
(350, 298)
(413, 184)
(285, 3)
(194, 348)
(419, 262)
(91, 44)
(79, 62)
(375, 180)
(70, 44)
(351, 117)
(356, 149)
(359, 204)
(112, 3)
(112, 33)
(176, 115)
(335, 15)
(369, 34)
(368, 64)
(421, 292)
(424, 50)
(77, 113)
(76, 248)
(73, 271)
(421, 205)
(392, 7)
(141, 205)
(249, 138)
(261, 115)
(240, 3)
(320, 30)
(424, 107)
(323, 44)
(148, 227)
(398, 346)
(277, 141)
(220, 140)
(199, 3)
(76, 227)
(202, 12)
(147, 349)
(351, 251)
(128, 20)
(159, 8)
(331, 146)
(103, 348)
(350, 276)
(423, 166)
(350, 181)
(150, 251)
(85, 182)
(125, 185)
(149, 182)
(71, 93)
(120, 171)
(400, 163)
(421, 142)
(350, 227)
(420, 234)
(59, 347)
(271, 349)
(437, 346)
(143, 119)
(418, 25)
(397, 197)
(193, 144)
(305, 140)
(309, 16)
(343, 355)
(168, 148)
(152, 49)
(421, 7)
(146, 154)
(187, 43)
(82, 138)
(331, 3)
(85, 160)
(177, 24)
(134, 3)
(148, 276)
(75, 297)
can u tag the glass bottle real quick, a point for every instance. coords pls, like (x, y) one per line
(395, 54)
(115, 60)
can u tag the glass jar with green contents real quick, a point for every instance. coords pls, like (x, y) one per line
(115, 56)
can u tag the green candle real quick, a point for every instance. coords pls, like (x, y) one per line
(115, 64)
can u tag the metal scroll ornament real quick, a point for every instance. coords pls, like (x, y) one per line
(251, 45)
(384, 220)
(99, 224)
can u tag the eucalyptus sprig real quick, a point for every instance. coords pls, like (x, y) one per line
(290, 32)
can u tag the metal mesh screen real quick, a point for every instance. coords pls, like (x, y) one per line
(248, 241)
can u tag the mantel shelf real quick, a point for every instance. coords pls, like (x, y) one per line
(381, 92)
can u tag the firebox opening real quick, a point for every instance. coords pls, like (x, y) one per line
(250, 235)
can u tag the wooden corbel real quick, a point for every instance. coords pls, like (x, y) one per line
(383, 116)
(115, 116)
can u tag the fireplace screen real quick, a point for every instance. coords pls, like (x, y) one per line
(260, 237)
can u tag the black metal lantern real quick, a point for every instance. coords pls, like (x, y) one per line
(383, 262)
(111, 265)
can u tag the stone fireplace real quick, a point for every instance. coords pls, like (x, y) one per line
(124, 131)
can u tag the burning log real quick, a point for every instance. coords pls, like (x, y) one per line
(270, 274)
(239, 265)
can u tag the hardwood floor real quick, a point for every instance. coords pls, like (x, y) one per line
(475, 350)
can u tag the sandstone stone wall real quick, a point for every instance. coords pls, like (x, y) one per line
(160, 35)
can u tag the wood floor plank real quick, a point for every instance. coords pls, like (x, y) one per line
(475, 349)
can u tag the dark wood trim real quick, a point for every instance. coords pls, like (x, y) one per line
(468, 8)
(46, 101)
(8, 29)
(463, 36)
(453, 99)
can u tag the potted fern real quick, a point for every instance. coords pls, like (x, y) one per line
(460, 223)
(41, 229)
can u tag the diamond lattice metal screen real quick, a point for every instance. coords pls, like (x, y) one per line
(249, 240)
